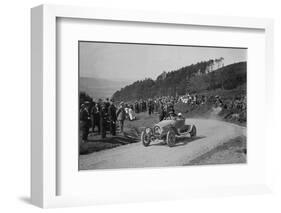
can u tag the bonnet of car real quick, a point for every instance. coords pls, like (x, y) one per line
(165, 123)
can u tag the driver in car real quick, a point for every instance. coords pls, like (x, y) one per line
(180, 116)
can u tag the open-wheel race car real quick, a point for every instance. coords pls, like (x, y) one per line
(168, 130)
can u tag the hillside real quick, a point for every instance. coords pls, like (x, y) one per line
(100, 88)
(196, 78)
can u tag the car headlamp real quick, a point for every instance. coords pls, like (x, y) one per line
(157, 130)
(148, 130)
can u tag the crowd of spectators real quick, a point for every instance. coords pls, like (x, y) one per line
(105, 115)
(101, 116)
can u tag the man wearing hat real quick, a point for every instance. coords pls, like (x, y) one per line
(149, 106)
(85, 120)
(121, 115)
(103, 119)
(112, 117)
(162, 113)
(95, 116)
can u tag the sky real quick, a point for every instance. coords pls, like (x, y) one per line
(116, 61)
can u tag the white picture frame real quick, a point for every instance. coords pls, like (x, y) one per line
(44, 169)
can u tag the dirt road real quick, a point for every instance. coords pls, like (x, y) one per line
(210, 134)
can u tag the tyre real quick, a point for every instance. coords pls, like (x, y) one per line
(145, 138)
(193, 131)
(171, 138)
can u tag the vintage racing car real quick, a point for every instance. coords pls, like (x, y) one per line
(168, 130)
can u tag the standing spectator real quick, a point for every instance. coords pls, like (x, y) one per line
(112, 118)
(121, 115)
(162, 113)
(149, 106)
(103, 120)
(145, 105)
(126, 111)
(91, 110)
(107, 103)
(157, 106)
(85, 121)
(141, 106)
(95, 117)
(136, 107)
(131, 113)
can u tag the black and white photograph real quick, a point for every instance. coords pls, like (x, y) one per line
(161, 105)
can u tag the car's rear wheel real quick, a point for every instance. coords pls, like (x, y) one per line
(145, 138)
(193, 131)
(171, 138)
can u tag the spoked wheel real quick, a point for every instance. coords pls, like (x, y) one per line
(171, 138)
(145, 138)
(193, 131)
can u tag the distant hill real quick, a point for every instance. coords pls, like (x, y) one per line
(195, 78)
(100, 88)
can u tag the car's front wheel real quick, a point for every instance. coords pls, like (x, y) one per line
(193, 131)
(171, 138)
(145, 138)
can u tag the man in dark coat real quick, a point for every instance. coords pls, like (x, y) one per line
(140, 106)
(95, 117)
(144, 106)
(136, 107)
(103, 120)
(162, 113)
(91, 109)
(112, 117)
(85, 121)
(107, 103)
(150, 107)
